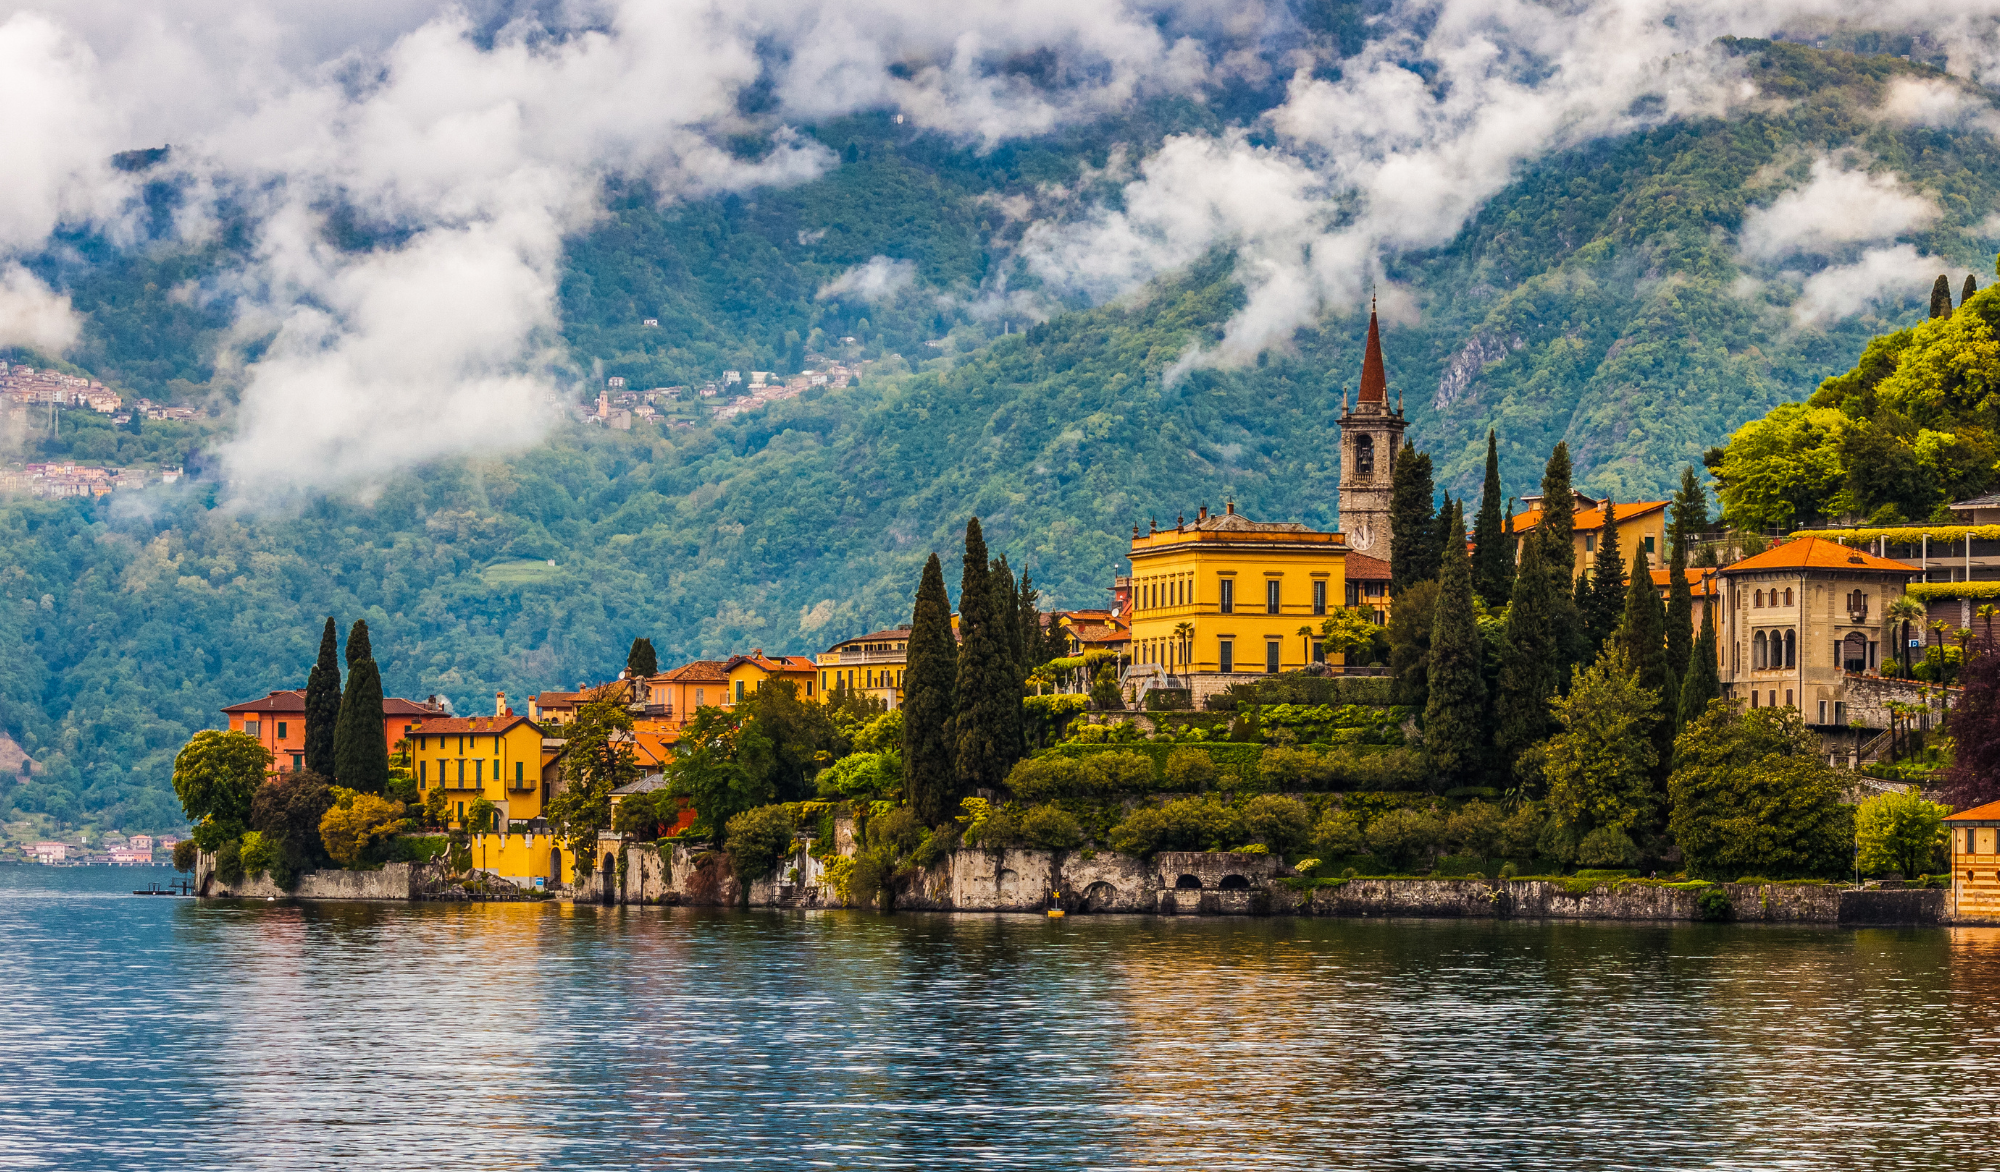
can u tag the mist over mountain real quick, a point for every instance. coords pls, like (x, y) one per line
(1109, 263)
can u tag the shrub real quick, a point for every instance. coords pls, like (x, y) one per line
(1190, 769)
(1339, 833)
(936, 846)
(864, 776)
(1713, 904)
(1475, 830)
(1189, 824)
(646, 816)
(257, 854)
(288, 812)
(882, 734)
(1040, 779)
(1122, 773)
(185, 852)
(1520, 832)
(869, 881)
(1607, 846)
(1900, 832)
(1401, 836)
(229, 862)
(1288, 768)
(417, 848)
(998, 830)
(899, 830)
(354, 821)
(1168, 699)
(1282, 824)
(756, 839)
(1052, 828)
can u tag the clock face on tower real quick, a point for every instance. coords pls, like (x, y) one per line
(1362, 536)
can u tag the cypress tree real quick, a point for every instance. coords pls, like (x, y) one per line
(1680, 613)
(1702, 682)
(640, 660)
(1493, 569)
(1558, 524)
(1413, 543)
(1443, 526)
(929, 682)
(323, 702)
(1531, 659)
(1941, 297)
(1642, 627)
(984, 727)
(1690, 509)
(1971, 287)
(1007, 629)
(1606, 604)
(1456, 730)
(360, 754)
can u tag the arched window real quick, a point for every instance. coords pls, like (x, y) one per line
(1758, 650)
(1791, 648)
(1788, 596)
(1760, 599)
(1364, 455)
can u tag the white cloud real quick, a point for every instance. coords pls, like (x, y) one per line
(1835, 209)
(32, 315)
(1930, 101)
(1882, 275)
(878, 280)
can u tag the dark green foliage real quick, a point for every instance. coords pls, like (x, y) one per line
(1052, 828)
(1411, 623)
(1493, 554)
(1941, 296)
(757, 840)
(983, 727)
(1973, 779)
(1679, 617)
(1456, 728)
(360, 754)
(1751, 793)
(1642, 628)
(640, 660)
(1971, 287)
(1413, 536)
(287, 813)
(1604, 606)
(1187, 824)
(1714, 905)
(929, 687)
(782, 739)
(1006, 602)
(1032, 646)
(216, 776)
(185, 852)
(1703, 681)
(229, 862)
(323, 703)
(1401, 837)
(1531, 662)
(1283, 824)
(1558, 524)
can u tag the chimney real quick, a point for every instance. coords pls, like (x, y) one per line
(499, 703)
(1203, 515)
(1231, 506)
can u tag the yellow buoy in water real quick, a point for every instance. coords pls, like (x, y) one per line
(1055, 913)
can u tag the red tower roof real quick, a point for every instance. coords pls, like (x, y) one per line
(1374, 384)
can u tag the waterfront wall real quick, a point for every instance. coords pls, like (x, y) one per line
(394, 881)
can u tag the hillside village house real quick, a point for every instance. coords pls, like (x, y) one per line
(278, 721)
(1368, 585)
(872, 664)
(1797, 618)
(1224, 595)
(1097, 630)
(747, 673)
(1642, 525)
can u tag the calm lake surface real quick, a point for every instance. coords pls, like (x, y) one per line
(162, 1033)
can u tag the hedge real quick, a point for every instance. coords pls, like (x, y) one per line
(1929, 590)
(1905, 534)
(1371, 767)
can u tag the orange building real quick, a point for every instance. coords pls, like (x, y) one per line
(1975, 862)
(1642, 525)
(278, 721)
(747, 673)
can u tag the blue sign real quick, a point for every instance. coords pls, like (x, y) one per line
(1916, 642)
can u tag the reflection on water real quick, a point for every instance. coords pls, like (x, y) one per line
(148, 1033)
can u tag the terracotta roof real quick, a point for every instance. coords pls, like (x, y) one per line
(1235, 522)
(1591, 519)
(1986, 813)
(1374, 383)
(548, 699)
(1362, 568)
(295, 701)
(700, 670)
(875, 636)
(1108, 633)
(1817, 553)
(773, 662)
(1700, 579)
(397, 706)
(467, 724)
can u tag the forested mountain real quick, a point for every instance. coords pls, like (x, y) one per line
(1615, 295)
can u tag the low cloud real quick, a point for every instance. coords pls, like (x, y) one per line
(1932, 101)
(1894, 275)
(878, 280)
(33, 315)
(1837, 208)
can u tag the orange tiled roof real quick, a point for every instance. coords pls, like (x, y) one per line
(1817, 553)
(1700, 579)
(295, 701)
(894, 633)
(699, 671)
(466, 724)
(1591, 519)
(773, 662)
(1985, 813)
(1362, 568)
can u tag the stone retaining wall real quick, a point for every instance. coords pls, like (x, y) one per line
(394, 881)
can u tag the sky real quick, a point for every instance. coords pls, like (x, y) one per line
(487, 130)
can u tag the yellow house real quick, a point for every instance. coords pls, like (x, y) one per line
(872, 664)
(1642, 525)
(1228, 594)
(505, 760)
(747, 673)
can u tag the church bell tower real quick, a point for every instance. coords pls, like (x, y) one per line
(1370, 434)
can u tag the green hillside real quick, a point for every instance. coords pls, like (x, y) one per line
(1600, 285)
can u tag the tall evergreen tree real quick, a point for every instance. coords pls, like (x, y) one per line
(1007, 630)
(1028, 628)
(641, 660)
(1493, 567)
(323, 702)
(1444, 525)
(1703, 682)
(1680, 613)
(930, 681)
(1642, 627)
(1971, 287)
(1690, 509)
(1941, 297)
(1456, 729)
(1532, 658)
(360, 755)
(1558, 524)
(1413, 541)
(1606, 604)
(988, 700)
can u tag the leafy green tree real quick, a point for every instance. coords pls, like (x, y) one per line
(1403, 836)
(1493, 565)
(1456, 729)
(758, 839)
(641, 660)
(782, 739)
(1185, 824)
(1028, 630)
(987, 722)
(1973, 778)
(597, 758)
(1604, 607)
(1599, 767)
(1006, 604)
(1899, 832)
(1642, 637)
(360, 753)
(354, 822)
(323, 703)
(1752, 794)
(1413, 535)
(929, 688)
(1532, 656)
(287, 811)
(1971, 287)
(1285, 825)
(1338, 833)
(1679, 618)
(216, 777)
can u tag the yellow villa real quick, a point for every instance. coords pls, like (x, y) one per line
(873, 664)
(505, 760)
(747, 673)
(1226, 594)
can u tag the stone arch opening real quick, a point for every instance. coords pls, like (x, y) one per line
(1758, 652)
(555, 865)
(1188, 883)
(1364, 455)
(1791, 648)
(1235, 883)
(1099, 897)
(1854, 652)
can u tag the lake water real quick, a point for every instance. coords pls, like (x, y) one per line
(162, 1033)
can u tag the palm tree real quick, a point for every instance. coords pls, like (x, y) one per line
(1987, 613)
(1306, 637)
(1184, 635)
(1904, 611)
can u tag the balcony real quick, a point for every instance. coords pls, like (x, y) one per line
(863, 658)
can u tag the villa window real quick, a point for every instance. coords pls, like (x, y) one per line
(1271, 653)
(1791, 648)
(1759, 649)
(1788, 597)
(520, 771)
(1271, 596)
(281, 730)
(1228, 598)
(1354, 594)
(423, 773)
(1226, 655)
(1649, 545)
(1319, 597)
(1760, 599)
(1590, 543)
(252, 727)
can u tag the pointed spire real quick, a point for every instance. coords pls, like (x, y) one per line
(1374, 384)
